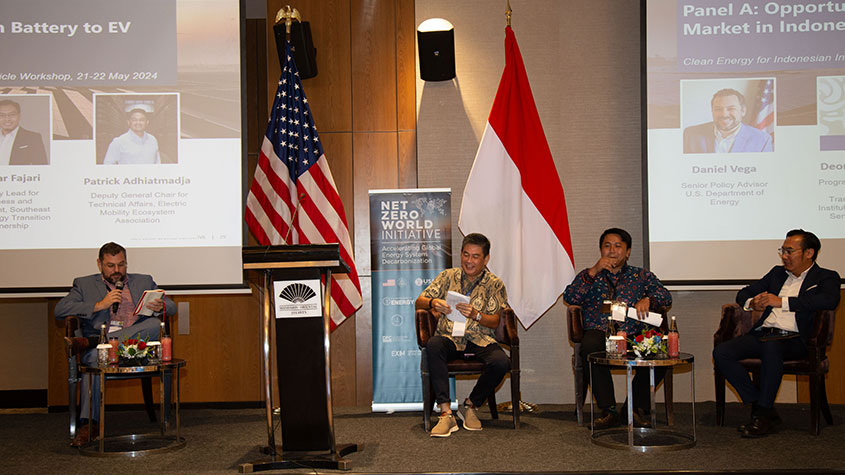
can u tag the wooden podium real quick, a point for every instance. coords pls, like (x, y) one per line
(302, 356)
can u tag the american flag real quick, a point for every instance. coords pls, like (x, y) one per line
(293, 172)
(766, 110)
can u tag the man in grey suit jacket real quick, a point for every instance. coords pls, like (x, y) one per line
(727, 133)
(26, 147)
(98, 300)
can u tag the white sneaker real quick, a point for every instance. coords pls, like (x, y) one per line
(446, 424)
(469, 415)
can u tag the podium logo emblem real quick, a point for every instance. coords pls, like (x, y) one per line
(297, 293)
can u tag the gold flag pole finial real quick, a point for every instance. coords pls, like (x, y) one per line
(288, 14)
(508, 13)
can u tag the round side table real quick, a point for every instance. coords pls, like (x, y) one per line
(644, 440)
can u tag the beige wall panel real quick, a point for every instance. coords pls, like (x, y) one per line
(329, 93)
(222, 349)
(375, 168)
(256, 78)
(407, 159)
(337, 147)
(373, 65)
(343, 363)
(364, 346)
(23, 344)
(406, 61)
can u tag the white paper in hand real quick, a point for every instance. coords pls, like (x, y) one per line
(654, 319)
(452, 300)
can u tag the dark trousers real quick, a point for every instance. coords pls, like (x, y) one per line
(772, 354)
(441, 349)
(602, 381)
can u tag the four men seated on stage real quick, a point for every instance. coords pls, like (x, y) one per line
(97, 299)
(789, 295)
(611, 278)
(487, 299)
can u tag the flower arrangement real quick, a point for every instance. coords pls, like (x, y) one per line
(648, 344)
(133, 351)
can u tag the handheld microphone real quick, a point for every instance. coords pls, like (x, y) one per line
(119, 286)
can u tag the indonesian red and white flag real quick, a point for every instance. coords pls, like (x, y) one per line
(514, 197)
(293, 198)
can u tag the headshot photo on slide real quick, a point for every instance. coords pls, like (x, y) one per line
(136, 129)
(831, 106)
(728, 115)
(25, 129)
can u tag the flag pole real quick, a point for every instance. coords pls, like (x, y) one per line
(508, 13)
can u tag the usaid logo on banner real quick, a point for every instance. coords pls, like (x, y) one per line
(297, 299)
(420, 282)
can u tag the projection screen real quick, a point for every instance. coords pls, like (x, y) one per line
(745, 135)
(127, 120)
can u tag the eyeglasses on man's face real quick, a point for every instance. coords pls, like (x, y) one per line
(786, 251)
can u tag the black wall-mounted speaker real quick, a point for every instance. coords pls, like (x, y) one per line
(437, 55)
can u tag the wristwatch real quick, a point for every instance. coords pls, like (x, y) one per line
(477, 316)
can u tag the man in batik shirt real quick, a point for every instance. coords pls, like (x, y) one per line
(611, 278)
(487, 299)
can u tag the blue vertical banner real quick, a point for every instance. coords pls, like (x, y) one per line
(410, 243)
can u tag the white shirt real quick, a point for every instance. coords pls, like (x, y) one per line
(724, 144)
(6, 141)
(131, 149)
(781, 317)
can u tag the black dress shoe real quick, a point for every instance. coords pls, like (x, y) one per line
(758, 427)
(606, 421)
(773, 417)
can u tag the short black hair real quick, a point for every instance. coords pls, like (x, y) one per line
(808, 241)
(728, 92)
(626, 238)
(111, 249)
(7, 102)
(477, 239)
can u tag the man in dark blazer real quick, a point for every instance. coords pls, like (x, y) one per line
(789, 297)
(27, 147)
(99, 299)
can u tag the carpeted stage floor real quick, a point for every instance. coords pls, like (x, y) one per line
(549, 441)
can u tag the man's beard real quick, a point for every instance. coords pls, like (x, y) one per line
(116, 277)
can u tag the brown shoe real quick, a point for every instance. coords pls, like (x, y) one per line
(83, 436)
(76, 345)
(641, 419)
(606, 421)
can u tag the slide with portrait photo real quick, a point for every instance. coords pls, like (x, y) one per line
(745, 133)
(137, 108)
